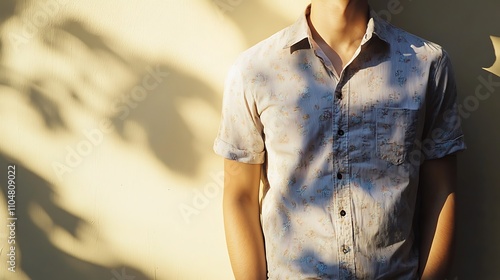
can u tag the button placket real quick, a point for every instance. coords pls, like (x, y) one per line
(344, 225)
(345, 238)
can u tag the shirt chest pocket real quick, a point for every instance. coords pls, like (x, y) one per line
(395, 133)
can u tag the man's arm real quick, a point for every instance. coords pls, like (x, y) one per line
(244, 237)
(437, 218)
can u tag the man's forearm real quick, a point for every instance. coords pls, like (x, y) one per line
(244, 239)
(245, 242)
(437, 217)
(437, 242)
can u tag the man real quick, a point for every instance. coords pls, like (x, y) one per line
(352, 126)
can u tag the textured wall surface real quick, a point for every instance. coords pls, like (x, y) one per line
(108, 111)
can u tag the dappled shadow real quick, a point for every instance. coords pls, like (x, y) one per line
(95, 43)
(318, 176)
(155, 108)
(8, 9)
(255, 21)
(78, 74)
(160, 116)
(36, 254)
(48, 110)
(157, 112)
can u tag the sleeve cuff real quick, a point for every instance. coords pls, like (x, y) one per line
(228, 151)
(447, 148)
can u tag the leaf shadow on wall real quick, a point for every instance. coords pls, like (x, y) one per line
(255, 28)
(155, 107)
(36, 254)
(49, 95)
(161, 117)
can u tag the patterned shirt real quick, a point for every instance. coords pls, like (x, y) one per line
(340, 153)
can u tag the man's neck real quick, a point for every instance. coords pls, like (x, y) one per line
(339, 20)
(339, 25)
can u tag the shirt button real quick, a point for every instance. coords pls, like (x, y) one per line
(345, 249)
(339, 176)
(343, 213)
(341, 132)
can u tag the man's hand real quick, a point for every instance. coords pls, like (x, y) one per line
(244, 237)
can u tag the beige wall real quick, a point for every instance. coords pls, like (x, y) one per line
(109, 110)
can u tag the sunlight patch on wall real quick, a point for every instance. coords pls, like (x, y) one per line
(129, 203)
(25, 133)
(196, 112)
(495, 68)
(189, 35)
(291, 10)
(82, 245)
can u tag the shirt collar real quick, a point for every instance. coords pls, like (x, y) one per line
(379, 27)
(299, 36)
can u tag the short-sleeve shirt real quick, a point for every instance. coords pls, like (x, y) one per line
(340, 152)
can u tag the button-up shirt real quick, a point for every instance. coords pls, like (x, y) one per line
(340, 153)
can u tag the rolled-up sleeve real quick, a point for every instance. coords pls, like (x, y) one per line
(442, 134)
(240, 135)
